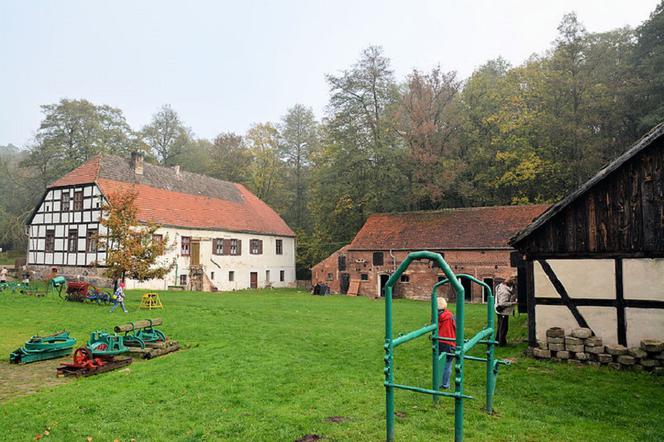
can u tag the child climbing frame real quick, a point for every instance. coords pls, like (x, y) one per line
(485, 336)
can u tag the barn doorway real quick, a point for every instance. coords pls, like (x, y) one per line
(344, 283)
(383, 283)
(253, 280)
(485, 294)
(467, 289)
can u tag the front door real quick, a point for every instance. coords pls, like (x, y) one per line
(254, 280)
(489, 282)
(195, 253)
(344, 283)
(383, 283)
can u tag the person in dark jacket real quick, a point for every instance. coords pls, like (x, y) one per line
(446, 330)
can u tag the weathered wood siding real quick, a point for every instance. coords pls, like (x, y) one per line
(622, 215)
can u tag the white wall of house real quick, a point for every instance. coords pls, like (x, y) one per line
(267, 265)
(51, 220)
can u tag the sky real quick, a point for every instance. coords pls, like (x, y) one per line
(225, 65)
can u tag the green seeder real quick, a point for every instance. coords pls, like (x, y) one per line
(106, 344)
(40, 348)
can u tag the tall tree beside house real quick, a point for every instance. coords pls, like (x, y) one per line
(229, 158)
(167, 136)
(71, 132)
(426, 120)
(299, 137)
(266, 169)
(132, 251)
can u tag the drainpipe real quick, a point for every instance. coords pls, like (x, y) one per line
(394, 261)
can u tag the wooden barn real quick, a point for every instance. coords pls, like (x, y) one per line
(596, 258)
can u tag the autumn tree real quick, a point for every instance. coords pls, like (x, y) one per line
(229, 158)
(265, 170)
(132, 251)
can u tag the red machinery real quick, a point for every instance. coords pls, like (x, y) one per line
(85, 364)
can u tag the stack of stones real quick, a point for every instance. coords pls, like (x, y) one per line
(581, 347)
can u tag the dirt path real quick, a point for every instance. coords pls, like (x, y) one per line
(22, 380)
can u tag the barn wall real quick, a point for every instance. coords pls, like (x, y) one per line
(604, 291)
(622, 215)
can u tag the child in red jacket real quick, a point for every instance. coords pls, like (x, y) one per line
(446, 329)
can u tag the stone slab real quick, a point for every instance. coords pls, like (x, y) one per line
(571, 340)
(604, 358)
(582, 333)
(557, 347)
(582, 356)
(650, 363)
(555, 340)
(562, 354)
(652, 345)
(637, 352)
(575, 348)
(555, 332)
(626, 360)
(595, 350)
(594, 341)
(541, 353)
(616, 349)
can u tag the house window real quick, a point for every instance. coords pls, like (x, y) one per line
(218, 246)
(256, 247)
(364, 276)
(183, 279)
(72, 241)
(91, 241)
(267, 276)
(280, 247)
(235, 247)
(64, 206)
(378, 258)
(405, 278)
(212, 276)
(49, 245)
(330, 276)
(185, 245)
(231, 276)
(78, 200)
(282, 275)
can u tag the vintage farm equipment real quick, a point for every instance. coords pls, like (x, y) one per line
(485, 336)
(57, 283)
(86, 364)
(81, 291)
(141, 337)
(102, 343)
(39, 348)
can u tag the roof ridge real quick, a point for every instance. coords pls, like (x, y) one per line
(458, 209)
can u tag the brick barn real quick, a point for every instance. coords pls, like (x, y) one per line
(596, 258)
(472, 240)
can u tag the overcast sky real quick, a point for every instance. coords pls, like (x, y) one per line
(226, 65)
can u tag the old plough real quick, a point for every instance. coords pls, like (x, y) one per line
(142, 338)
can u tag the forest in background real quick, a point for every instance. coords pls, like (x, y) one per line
(505, 135)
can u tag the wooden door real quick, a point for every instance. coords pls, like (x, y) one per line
(254, 280)
(195, 253)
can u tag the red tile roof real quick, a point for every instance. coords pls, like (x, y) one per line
(171, 199)
(464, 228)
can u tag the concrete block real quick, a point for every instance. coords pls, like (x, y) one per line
(582, 333)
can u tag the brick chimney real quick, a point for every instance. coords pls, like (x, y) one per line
(137, 162)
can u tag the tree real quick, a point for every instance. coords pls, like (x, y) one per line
(166, 135)
(427, 123)
(71, 132)
(132, 251)
(266, 168)
(299, 136)
(229, 158)
(648, 59)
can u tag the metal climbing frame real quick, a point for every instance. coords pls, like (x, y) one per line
(485, 336)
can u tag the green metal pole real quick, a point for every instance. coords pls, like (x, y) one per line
(459, 353)
(436, 365)
(389, 359)
(490, 347)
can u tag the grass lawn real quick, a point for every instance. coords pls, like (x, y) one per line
(275, 365)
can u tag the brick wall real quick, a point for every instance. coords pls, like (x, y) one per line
(420, 276)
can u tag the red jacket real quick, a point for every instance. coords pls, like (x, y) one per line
(447, 327)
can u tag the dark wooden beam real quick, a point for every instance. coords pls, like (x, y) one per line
(564, 296)
(531, 303)
(620, 304)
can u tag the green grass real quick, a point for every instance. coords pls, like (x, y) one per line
(8, 257)
(274, 365)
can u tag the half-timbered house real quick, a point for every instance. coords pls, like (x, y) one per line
(596, 258)
(222, 236)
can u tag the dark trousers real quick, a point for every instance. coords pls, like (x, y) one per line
(503, 326)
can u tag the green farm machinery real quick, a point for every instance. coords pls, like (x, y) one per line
(40, 348)
(485, 336)
(106, 344)
(141, 337)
